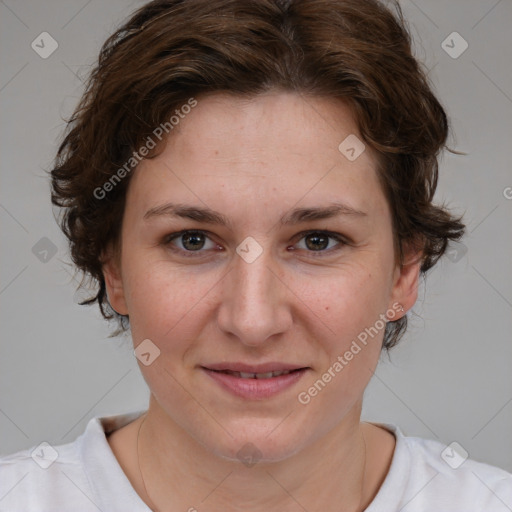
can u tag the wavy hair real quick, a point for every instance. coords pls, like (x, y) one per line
(171, 50)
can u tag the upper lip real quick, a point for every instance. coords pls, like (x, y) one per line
(254, 368)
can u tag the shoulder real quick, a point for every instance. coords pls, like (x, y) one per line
(83, 475)
(445, 476)
(43, 476)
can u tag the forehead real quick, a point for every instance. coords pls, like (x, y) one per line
(273, 149)
(279, 124)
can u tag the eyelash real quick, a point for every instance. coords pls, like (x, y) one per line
(167, 241)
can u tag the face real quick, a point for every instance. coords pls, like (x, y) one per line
(252, 244)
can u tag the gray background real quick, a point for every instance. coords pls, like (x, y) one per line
(449, 380)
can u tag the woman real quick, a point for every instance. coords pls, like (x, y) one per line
(250, 185)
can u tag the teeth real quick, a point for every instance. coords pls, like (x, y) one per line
(268, 375)
(265, 375)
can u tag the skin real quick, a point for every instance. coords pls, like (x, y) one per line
(253, 160)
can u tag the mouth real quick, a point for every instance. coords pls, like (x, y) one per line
(255, 382)
(265, 375)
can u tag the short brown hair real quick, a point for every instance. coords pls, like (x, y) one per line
(172, 50)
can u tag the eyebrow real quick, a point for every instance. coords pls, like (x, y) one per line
(209, 216)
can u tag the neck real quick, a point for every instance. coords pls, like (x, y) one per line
(177, 472)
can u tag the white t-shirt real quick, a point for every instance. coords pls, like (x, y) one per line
(84, 476)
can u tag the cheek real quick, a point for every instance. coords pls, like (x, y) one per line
(164, 302)
(350, 334)
(348, 327)
(346, 301)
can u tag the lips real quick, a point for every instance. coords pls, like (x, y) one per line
(250, 375)
(255, 382)
(258, 369)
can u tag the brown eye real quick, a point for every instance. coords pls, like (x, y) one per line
(317, 241)
(320, 242)
(190, 243)
(193, 241)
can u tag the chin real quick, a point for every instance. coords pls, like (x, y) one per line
(257, 441)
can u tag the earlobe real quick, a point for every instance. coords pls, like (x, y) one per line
(114, 285)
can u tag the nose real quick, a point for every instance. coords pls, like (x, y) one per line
(255, 301)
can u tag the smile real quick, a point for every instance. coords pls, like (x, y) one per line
(255, 386)
(267, 375)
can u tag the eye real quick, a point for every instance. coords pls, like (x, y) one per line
(189, 242)
(320, 241)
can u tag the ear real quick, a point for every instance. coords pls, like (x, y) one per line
(114, 281)
(406, 278)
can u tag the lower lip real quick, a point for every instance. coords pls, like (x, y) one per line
(255, 389)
